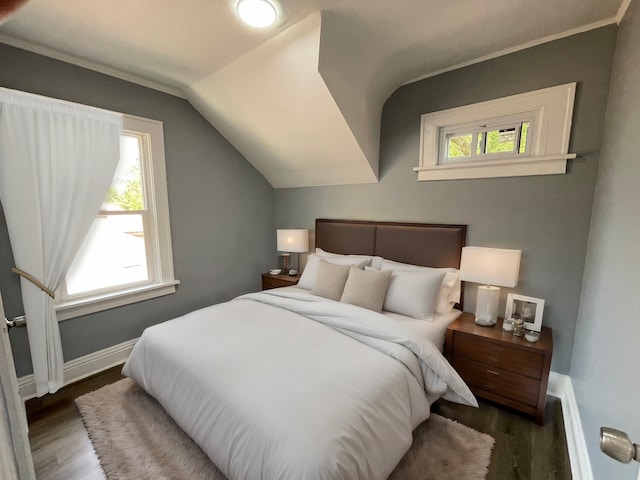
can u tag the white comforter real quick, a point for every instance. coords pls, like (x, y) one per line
(268, 391)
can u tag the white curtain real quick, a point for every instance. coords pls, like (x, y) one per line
(57, 161)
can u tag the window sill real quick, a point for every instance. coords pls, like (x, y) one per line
(512, 167)
(77, 308)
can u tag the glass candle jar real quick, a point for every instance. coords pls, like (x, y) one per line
(507, 324)
(518, 329)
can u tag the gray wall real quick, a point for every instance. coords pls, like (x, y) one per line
(222, 209)
(605, 354)
(546, 216)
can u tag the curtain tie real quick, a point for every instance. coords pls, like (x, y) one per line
(34, 280)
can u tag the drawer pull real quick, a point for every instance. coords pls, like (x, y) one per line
(493, 372)
(487, 386)
(497, 349)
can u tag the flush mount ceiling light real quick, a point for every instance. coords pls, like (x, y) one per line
(257, 13)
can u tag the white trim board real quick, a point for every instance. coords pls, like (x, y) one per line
(547, 111)
(83, 367)
(560, 386)
(622, 11)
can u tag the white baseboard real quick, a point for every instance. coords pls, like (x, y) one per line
(83, 367)
(560, 386)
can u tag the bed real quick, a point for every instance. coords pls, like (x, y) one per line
(287, 383)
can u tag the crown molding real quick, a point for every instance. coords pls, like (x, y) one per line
(96, 67)
(523, 46)
(622, 11)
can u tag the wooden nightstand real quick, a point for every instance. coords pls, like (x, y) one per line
(275, 281)
(498, 366)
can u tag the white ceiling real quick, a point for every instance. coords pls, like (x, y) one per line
(366, 49)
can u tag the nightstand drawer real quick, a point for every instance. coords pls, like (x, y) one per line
(276, 281)
(501, 367)
(268, 283)
(501, 355)
(498, 381)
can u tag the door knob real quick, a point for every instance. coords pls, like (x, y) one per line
(618, 446)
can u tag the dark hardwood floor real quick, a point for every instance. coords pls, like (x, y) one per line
(60, 445)
(523, 451)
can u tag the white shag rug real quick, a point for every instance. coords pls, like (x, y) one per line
(135, 439)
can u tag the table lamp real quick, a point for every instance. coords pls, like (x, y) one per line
(493, 267)
(292, 240)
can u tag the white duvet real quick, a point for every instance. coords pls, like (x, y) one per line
(287, 385)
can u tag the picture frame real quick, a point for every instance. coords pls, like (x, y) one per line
(529, 308)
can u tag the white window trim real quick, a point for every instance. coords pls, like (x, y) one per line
(164, 282)
(98, 303)
(547, 145)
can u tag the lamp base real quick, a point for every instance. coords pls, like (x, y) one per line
(285, 261)
(487, 305)
(482, 323)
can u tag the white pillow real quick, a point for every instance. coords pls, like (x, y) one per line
(449, 293)
(376, 262)
(323, 253)
(308, 277)
(366, 288)
(414, 293)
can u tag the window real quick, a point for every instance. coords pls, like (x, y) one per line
(525, 134)
(502, 137)
(126, 256)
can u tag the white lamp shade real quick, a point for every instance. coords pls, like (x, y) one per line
(490, 266)
(293, 240)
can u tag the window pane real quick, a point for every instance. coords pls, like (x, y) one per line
(499, 141)
(482, 142)
(126, 191)
(113, 254)
(459, 146)
(523, 137)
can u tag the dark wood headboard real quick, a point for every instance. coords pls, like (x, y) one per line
(425, 244)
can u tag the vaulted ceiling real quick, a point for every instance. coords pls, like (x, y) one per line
(300, 100)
